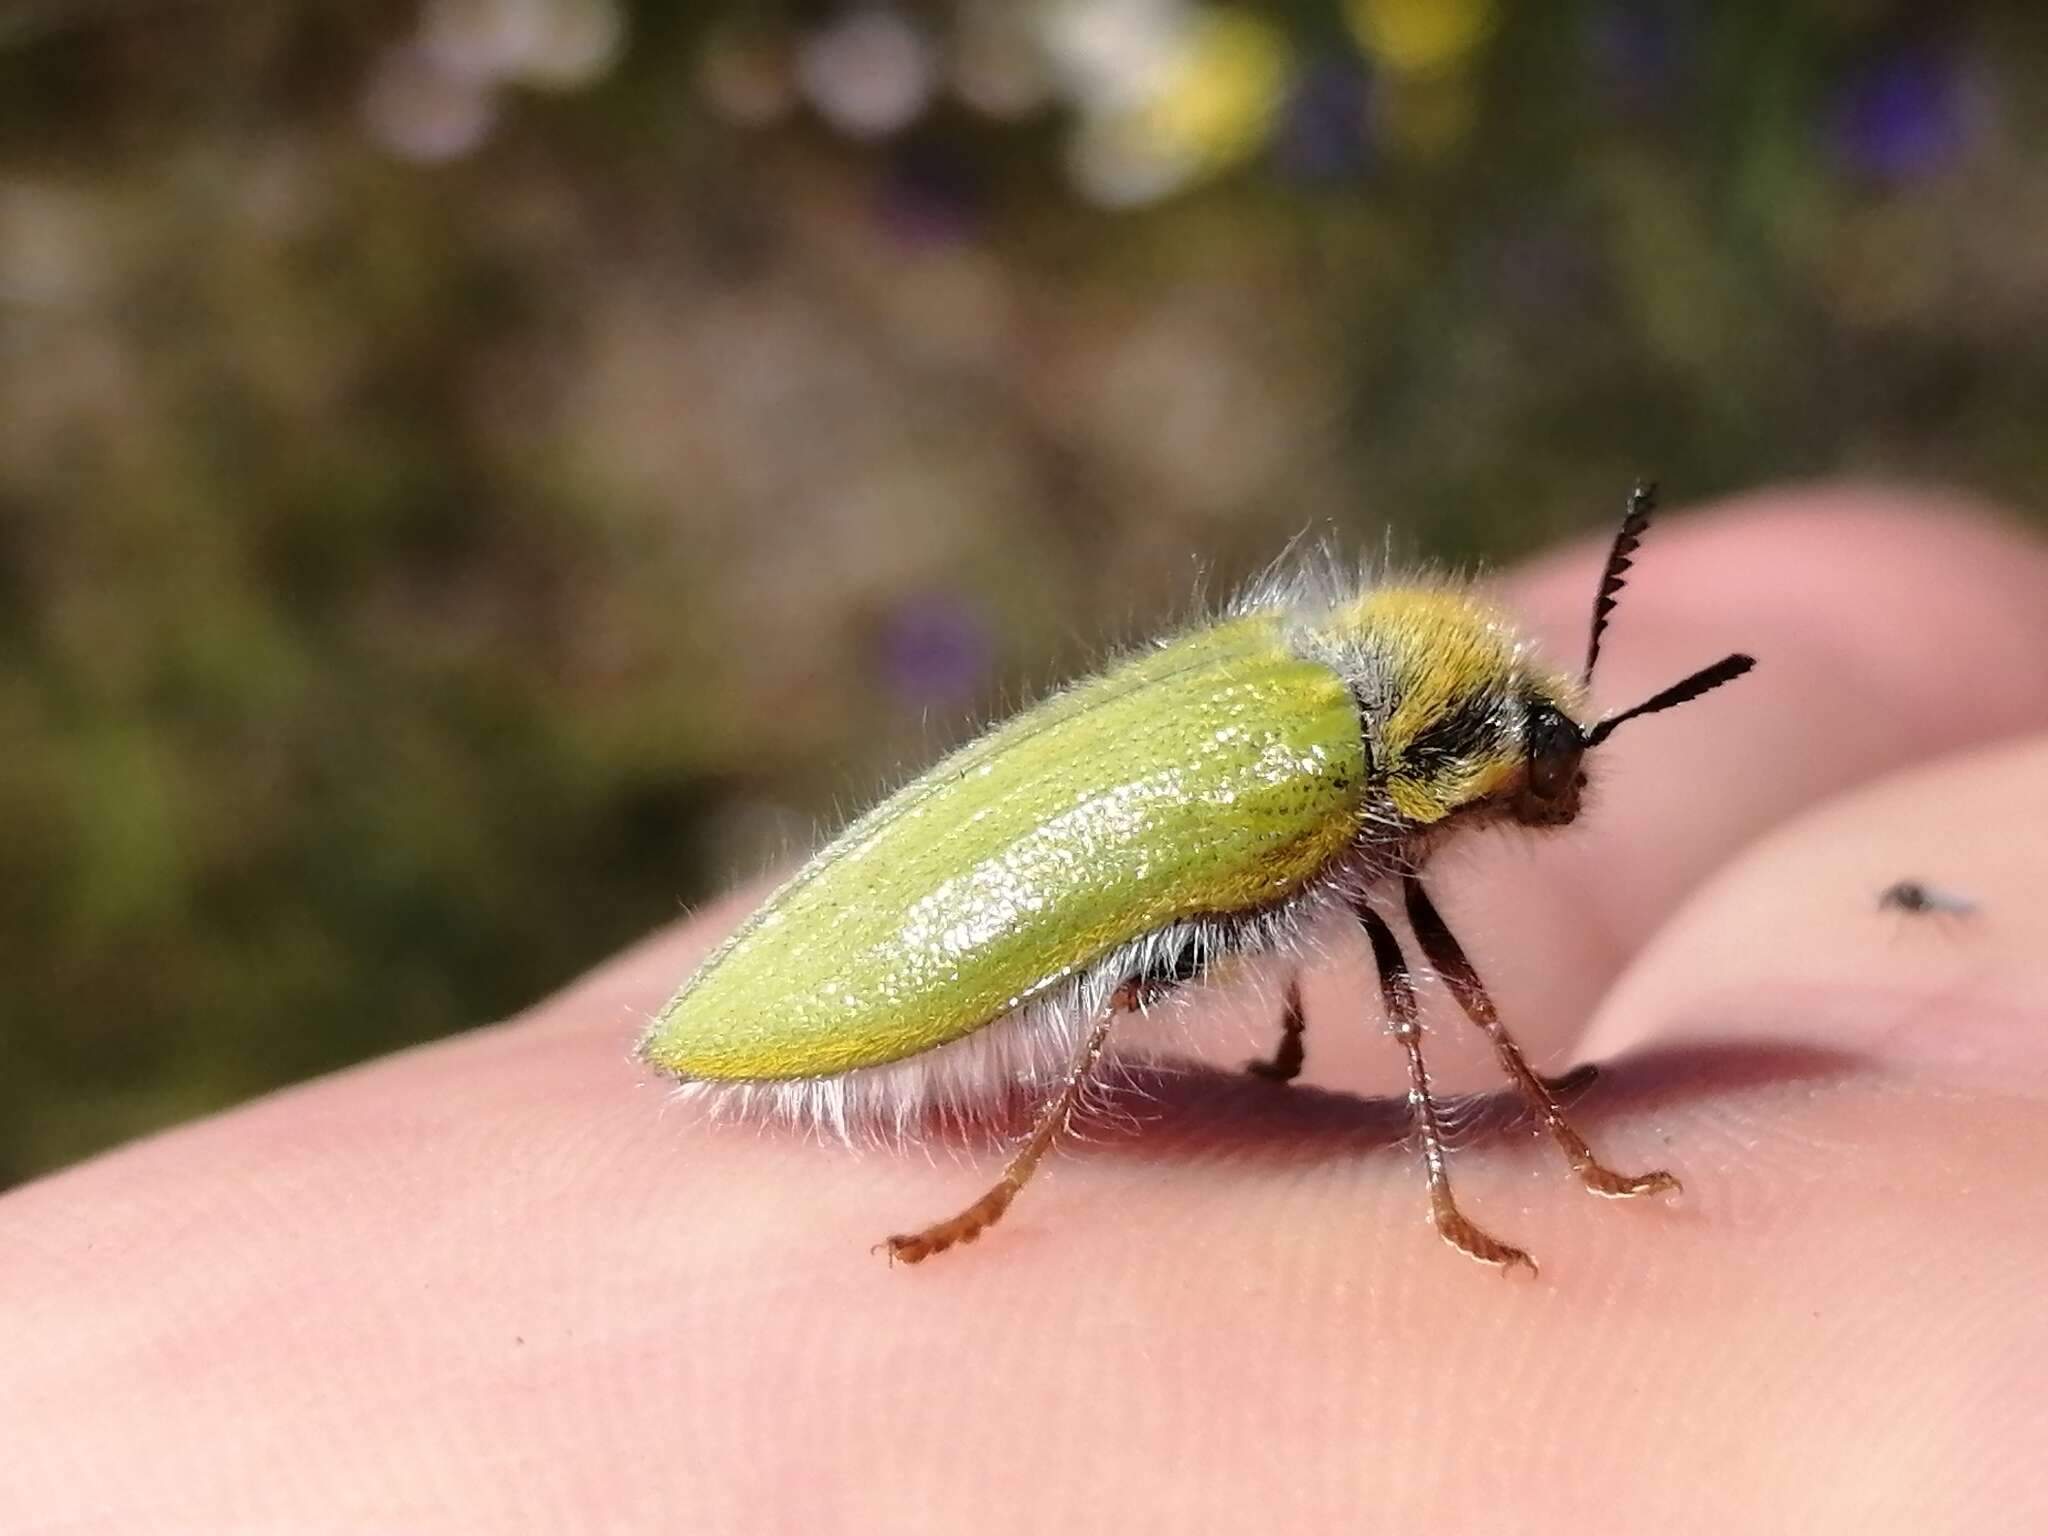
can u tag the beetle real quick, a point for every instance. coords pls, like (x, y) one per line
(981, 930)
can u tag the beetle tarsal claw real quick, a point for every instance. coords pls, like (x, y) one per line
(963, 1228)
(908, 1249)
(1605, 1181)
(1474, 1241)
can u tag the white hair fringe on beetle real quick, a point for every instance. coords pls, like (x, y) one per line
(975, 937)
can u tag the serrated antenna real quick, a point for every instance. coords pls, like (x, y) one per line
(1726, 670)
(1642, 505)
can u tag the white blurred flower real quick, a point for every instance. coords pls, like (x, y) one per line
(581, 45)
(485, 39)
(552, 44)
(869, 74)
(417, 107)
(1107, 54)
(1211, 102)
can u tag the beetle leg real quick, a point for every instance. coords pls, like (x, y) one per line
(988, 1210)
(1404, 1019)
(1285, 1065)
(1462, 978)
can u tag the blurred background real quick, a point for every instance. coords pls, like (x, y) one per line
(479, 475)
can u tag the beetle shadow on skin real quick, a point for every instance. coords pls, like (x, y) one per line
(1147, 1108)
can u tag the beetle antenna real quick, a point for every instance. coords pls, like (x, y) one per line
(1642, 504)
(1726, 670)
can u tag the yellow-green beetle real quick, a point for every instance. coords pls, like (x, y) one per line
(977, 933)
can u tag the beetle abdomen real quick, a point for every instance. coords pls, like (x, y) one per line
(1218, 774)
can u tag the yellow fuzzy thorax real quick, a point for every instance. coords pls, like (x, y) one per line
(1447, 656)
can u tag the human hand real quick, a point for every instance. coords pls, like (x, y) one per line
(491, 1284)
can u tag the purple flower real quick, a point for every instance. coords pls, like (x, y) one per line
(935, 652)
(1322, 132)
(1900, 117)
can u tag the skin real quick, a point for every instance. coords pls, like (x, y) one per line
(489, 1285)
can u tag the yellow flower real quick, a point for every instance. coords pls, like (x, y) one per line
(1420, 36)
(1218, 103)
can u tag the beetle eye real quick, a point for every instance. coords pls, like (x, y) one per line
(1555, 747)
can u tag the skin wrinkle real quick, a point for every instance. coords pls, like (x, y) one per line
(1837, 1329)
